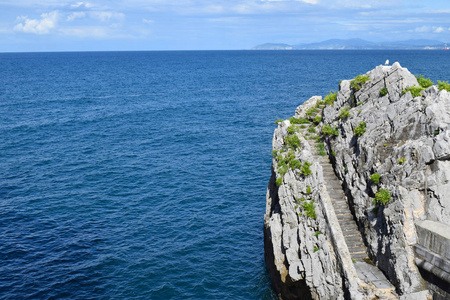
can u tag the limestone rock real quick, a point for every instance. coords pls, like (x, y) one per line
(406, 141)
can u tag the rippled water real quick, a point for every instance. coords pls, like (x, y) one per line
(142, 175)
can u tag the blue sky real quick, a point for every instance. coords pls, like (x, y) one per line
(60, 25)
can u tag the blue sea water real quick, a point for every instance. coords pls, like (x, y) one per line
(142, 175)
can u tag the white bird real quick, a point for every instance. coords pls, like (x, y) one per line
(387, 62)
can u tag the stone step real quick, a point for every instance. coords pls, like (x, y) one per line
(341, 207)
(345, 217)
(359, 256)
(347, 227)
(341, 210)
(353, 238)
(339, 202)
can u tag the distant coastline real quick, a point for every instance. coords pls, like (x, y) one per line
(357, 44)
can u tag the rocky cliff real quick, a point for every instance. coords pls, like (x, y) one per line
(352, 176)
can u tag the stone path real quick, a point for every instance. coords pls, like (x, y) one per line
(365, 269)
(348, 225)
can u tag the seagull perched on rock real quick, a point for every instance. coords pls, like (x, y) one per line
(387, 62)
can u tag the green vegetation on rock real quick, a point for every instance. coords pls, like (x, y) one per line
(310, 112)
(292, 129)
(383, 91)
(308, 189)
(295, 120)
(382, 197)
(360, 129)
(424, 82)
(330, 98)
(345, 113)
(329, 130)
(358, 81)
(295, 164)
(310, 209)
(279, 181)
(375, 178)
(321, 149)
(415, 91)
(317, 119)
(292, 141)
(312, 130)
(443, 85)
(305, 170)
(401, 161)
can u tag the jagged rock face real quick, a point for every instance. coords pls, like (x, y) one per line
(298, 253)
(407, 142)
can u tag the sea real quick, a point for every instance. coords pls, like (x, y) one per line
(143, 175)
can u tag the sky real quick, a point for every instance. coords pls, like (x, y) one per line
(101, 25)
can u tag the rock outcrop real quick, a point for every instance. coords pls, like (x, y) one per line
(391, 154)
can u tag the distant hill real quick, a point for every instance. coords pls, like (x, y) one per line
(272, 46)
(356, 44)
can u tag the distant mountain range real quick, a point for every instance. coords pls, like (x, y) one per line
(357, 44)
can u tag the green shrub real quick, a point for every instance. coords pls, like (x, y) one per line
(308, 189)
(310, 209)
(330, 98)
(358, 81)
(382, 197)
(401, 161)
(360, 129)
(295, 164)
(415, 91)
(383, 91)
(282, 170)
(295, 120)
(319, 103)
(274, 153)
(424, 82)
(311, 111)
(329, 130)
(345, 113)
(321, 149)
(317, 119)
(292, 141)
(278, 121)
(444, 85)
(316, 249)
(317, 233)
(292, 129)
(375, 178)
(279, 181)
(359, 103)
(311, 130)
(305, 170)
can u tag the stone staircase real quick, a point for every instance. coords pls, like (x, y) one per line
(365, 268)
(348, 225)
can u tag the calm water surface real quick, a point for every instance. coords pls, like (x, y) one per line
(142, 175)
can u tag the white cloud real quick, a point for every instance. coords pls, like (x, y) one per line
(81, 4)
(76, 15)
(422, 29)
(106, 16)
(438, 29)
(86, 32)
(147, 21)
(47, 22)
(306, 1)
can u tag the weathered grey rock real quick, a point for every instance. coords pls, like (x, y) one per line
(407, 142)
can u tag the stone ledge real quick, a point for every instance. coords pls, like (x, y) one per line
(434, 236)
